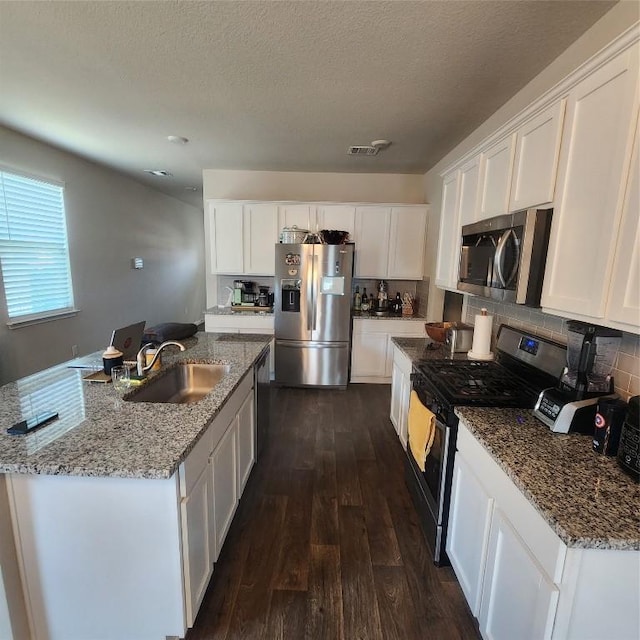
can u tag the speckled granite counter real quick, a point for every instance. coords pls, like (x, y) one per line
(250, 311)
(372, 316)
(425, 349)
(98, 434)
(585, 497)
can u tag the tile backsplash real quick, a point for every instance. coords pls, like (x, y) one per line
(626, 371)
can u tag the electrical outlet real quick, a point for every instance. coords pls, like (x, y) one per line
(74, 350)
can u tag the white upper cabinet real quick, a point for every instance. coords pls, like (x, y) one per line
(449, 235)
(301, 215)
(469, 182)
(372, 249)
(406, 245)
(337, 216)
(536, 158)
(594, 162)
(226, 237)
(260, 237)
(242, 237)
(495, 181)
(390, 241)
(624, 294)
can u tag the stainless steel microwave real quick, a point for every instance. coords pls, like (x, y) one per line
(504, 257)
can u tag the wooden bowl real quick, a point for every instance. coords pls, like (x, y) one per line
(437, 330)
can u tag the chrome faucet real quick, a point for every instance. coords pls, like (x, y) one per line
(141, 369)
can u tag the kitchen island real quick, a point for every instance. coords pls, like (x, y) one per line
(120, 508)
(544, 534)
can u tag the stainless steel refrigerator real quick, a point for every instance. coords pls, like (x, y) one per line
(313, 314)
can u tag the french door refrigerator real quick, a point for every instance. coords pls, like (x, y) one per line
(313, 314)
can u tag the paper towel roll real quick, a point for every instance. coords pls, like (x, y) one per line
(481, 346)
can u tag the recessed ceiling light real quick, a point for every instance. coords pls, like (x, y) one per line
(380, 144)
(177, 139)
(159, 172)
(191, 188)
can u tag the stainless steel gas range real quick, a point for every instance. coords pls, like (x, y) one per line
(525, 364)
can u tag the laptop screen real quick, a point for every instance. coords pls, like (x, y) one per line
(128, 340)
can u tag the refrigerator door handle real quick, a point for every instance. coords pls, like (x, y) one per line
(309, 288)
(316, 290)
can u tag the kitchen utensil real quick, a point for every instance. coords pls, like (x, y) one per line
(459, 338)
(333, 236)
(293, 235)
(437, 330)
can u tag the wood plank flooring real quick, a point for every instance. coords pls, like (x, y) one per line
(326, 544)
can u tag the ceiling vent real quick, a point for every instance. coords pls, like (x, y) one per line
(368, 149)
(363, 150)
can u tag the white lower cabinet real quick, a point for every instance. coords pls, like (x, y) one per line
(468, 534)
(372, 349)
(246, 442)
(197, 552)
(519, 578)
(400, 392)
(519, 599)
(224, 468)
(239, 322)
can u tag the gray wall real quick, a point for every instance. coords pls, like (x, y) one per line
(110, 219)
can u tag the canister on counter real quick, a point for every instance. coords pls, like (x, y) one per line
(149, 355)
(609, 418)
(629, 449)
(111, 358)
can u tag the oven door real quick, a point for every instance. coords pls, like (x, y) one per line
(430, 489)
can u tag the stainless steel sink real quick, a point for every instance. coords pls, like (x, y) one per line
(180, 383)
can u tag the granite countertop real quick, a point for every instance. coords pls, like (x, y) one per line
(584, 497)
(365, 315)
(250, 311)
(98, 434)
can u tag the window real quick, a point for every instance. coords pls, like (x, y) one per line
(34, 253)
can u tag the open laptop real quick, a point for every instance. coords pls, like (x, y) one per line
(126, 339)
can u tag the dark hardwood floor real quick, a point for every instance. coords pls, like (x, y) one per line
(325, 544)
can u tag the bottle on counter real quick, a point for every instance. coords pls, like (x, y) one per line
(357, 300)
(397, 304)
(364, 304)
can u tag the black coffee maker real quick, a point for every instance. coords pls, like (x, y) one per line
(591, 354)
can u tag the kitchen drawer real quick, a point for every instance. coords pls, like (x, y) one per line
(191, 469)
(545, 546)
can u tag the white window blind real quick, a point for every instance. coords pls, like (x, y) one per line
(34, 252)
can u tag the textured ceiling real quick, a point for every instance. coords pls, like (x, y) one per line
(284, 86)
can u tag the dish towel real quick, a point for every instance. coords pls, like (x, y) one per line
(421, 428)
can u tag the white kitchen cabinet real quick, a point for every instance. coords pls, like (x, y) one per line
(594, 161)
(246, 441)
(400, 392)
(469, 184)
(468, 533)
(372, 349)
(407, 241)
(535, 165)
(449, 234)
(301, 215)
(337, 216)
(260, 235)
(197, 552)
(390, 241)
(226, 237)
(624, 294)
(242, 237)
(519, 600)
(224, 466)
(519, 578)
(372, 230)
(495, 181)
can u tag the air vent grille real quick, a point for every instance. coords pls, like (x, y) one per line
(363, 150)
